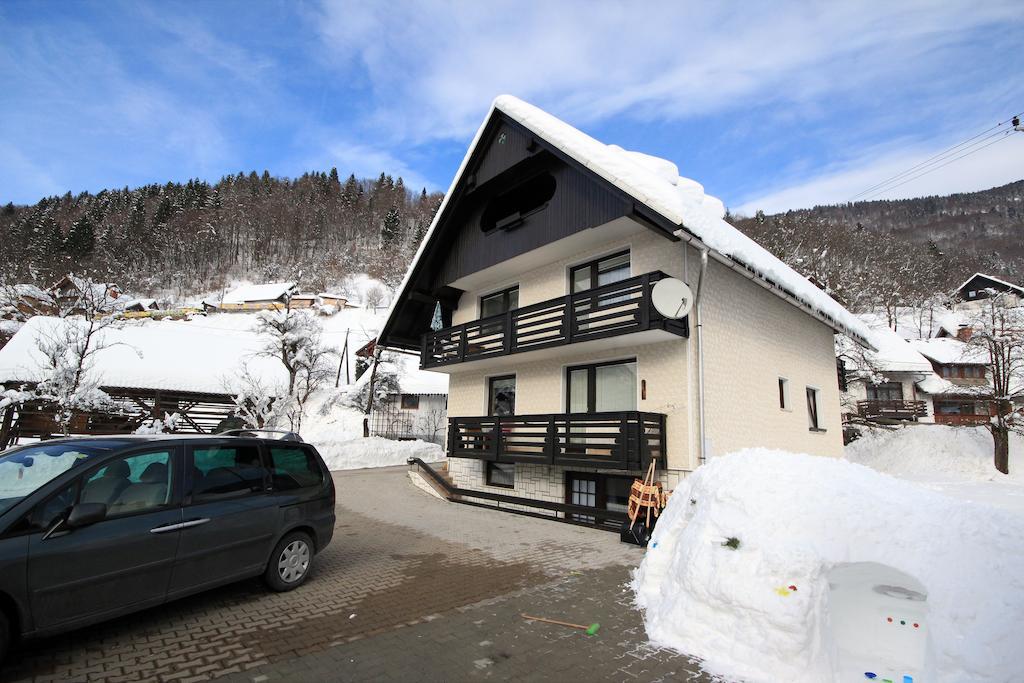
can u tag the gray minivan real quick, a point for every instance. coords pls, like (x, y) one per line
(93, 528)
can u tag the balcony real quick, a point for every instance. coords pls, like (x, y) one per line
(611, 310)
(892, 410)
(621, 441)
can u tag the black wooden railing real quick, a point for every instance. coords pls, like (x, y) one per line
(886, 409)
(607, 311)
(623, 441)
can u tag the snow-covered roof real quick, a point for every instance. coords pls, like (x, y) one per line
(412, 380)
(167, 355)
(332, 295)
(894, 353)
(657, 184)
(947, 350)
(994, 279)
(143, 303)
(32, 292)
(270, 291)
(940, 386)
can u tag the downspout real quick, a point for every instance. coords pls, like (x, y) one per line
(700, 353)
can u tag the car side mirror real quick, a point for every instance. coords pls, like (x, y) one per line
(85, 514)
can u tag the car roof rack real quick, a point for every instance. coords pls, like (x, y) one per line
(287, 436)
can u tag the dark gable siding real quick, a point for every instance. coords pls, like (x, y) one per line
(508, 154)
(979, 283)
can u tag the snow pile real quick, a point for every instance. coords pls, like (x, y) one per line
(935, 453)
(359, 453)
(797, 518)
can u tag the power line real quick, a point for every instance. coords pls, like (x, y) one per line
(1003, 135)
(941, 156)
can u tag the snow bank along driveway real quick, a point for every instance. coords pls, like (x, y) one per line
(765, 611)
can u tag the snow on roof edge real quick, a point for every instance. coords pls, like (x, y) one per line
(990, 277)
(731, 244)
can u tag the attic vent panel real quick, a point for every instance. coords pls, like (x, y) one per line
(508, 210)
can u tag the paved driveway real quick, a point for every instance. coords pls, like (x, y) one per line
(412, 588)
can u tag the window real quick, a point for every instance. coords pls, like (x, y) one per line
(137, 483)
(501, 395)
(226, 471)
(45, 514)
(507, 211)
(603, 271)
(294, 467)
(599, 491)
(499, 302)
(410, 402)
(886, 391)
(783, 393)
(501, 474)
(812, 410)
(601, 387)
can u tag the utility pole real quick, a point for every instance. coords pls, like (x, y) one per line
(343, 361)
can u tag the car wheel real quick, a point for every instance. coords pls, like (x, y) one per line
(289, 563)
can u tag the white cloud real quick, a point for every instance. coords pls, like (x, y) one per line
(995, 165)
(434, 66)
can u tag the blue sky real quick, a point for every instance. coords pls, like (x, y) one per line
(773, 105)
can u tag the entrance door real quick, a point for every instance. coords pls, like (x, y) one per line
(581, 489)
(501, 396)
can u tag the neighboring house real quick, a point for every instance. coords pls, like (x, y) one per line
(69, 293)
(972, 293)
(882, 384)
(140, 305)
(270, 296)
(565, 381)
(339, 301)
(958, 381)
(18, 302)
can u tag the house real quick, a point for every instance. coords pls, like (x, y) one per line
(339, 301)
(566, 380)
(21, 301)
(978, 287)
(959, 381)
(75, 294)
(269, 296)
(882, 384)
(140, 305)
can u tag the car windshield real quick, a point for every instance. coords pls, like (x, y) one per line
(24, 470)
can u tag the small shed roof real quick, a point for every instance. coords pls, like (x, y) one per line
(271, 291)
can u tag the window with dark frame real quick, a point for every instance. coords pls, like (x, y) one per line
(410, 402)
(499, 302)
(601, 387)
(812, 410)
(501, 395)
(602, 271)
(885, 391)
(783, 393)
(501, 474)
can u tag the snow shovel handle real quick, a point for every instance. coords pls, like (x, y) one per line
(555, 621)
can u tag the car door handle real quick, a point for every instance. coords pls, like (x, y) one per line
(180, 525)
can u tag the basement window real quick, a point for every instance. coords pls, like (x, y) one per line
(508, 210)
(501, 474)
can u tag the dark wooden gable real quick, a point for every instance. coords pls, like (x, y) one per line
(979, 283)
(516, 194)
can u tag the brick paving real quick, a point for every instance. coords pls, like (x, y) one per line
(412, 588)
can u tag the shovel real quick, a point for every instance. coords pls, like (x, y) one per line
(589, 630)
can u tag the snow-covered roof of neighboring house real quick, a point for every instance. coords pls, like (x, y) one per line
(948, 350)
(32, 292)
(1018, 288)
(270, 291)
(142, 303)
(167, 355)
(893, 353)
(332, 295)
(940, 386)
(412, 380)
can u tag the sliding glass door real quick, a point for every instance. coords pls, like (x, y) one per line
(601, 387)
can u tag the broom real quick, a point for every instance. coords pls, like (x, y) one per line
(589, 630)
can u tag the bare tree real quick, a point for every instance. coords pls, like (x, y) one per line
(998, 330)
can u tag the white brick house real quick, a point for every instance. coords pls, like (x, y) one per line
(565, 381)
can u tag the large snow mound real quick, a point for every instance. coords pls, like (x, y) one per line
(935, 453)
(799, 517)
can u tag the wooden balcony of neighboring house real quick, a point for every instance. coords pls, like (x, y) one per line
(601, 313)
(962, 419)
(614, 440)
(880, 410)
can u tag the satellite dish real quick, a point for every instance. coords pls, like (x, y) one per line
(672, 298)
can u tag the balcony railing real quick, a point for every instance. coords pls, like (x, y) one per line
(624, 441)
(607, 311)
(873, 409)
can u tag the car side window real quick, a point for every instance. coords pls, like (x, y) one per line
(136, 483)
(226, 471)
(45, 514)
(294, 467)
